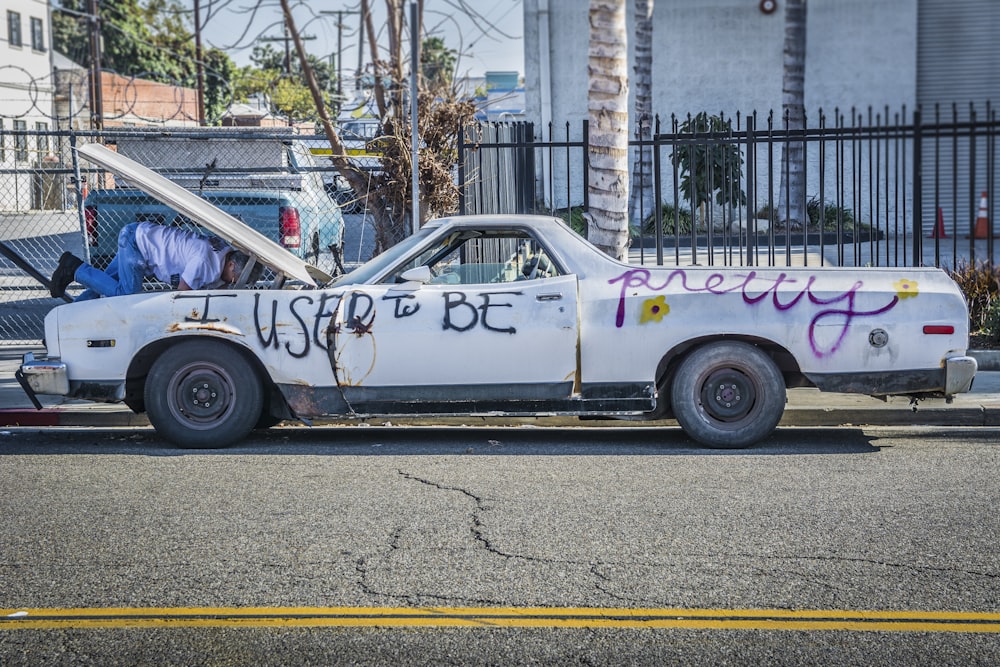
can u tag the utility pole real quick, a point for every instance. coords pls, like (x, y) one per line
(340, 42)
(96, 101)
(199, 62)
(287, 39)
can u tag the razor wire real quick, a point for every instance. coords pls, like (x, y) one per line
(32, 96)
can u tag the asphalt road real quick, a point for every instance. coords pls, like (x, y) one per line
(500, 546)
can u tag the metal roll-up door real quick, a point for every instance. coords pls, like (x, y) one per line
(958, 75)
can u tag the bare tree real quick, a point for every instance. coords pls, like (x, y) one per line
(641, 202)
(442, 115)
(607, 109)
(793, 183)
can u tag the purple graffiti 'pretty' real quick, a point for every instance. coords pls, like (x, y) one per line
(755, 289)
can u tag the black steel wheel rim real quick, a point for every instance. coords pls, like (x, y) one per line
(201, 395)
(728, 395)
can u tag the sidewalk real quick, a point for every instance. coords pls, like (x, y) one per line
(806, 407)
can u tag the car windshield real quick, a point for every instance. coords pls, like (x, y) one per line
(392, 256)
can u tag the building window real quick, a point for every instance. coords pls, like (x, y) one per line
(37, 38)
(14, 28)
(21, 141)
(43, 139)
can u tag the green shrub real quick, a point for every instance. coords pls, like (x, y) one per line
(991, 325)
(829, 214)
(667, 214)
(980, 283)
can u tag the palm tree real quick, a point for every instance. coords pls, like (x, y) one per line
(607, 108)
(641, 203)
(793, 185)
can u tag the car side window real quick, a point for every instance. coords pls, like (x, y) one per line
(484, 258)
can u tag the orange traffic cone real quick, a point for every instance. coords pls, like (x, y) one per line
(983, 230)
(938, 231)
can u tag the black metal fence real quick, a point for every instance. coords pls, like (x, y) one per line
(881, 187)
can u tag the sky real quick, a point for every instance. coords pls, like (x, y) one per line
(488, 35)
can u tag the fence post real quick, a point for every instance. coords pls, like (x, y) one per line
(658, 188)
(586, 167)
(918, 183)
(751, 162)
(461, 170)
(78, 180)
(524, 176)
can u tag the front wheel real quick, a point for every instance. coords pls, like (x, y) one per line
(202, 395)
(728, 395)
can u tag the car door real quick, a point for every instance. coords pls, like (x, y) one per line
(452, 346)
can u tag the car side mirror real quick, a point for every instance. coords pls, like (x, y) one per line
(418, 274)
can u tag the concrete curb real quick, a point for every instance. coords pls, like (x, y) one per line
(982, 415)
(988, 360)
(71, 417)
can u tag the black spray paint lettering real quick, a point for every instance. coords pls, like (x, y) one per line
(360, 313)
(469, 315)
(273, 329)
(302, 323)
(321, 314)
(204, 318)
(402, 309)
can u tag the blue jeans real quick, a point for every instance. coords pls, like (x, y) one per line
(124, 274)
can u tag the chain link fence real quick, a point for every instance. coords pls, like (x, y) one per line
(279, 183)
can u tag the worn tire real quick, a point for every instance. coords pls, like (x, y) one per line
(203, 395)
(728, 395)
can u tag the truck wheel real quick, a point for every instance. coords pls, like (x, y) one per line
(203, 395)
(728, 395)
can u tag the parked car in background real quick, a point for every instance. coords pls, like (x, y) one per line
(272, 185)
(504, 316)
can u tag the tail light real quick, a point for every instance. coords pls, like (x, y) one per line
(90, 220)
(289, 227)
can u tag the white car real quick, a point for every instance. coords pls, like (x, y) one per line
(505, 315)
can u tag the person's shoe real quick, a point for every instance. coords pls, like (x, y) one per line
(64, 274)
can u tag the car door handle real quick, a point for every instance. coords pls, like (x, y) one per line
(555, 296)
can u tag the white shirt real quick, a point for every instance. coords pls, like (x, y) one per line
(174, 254)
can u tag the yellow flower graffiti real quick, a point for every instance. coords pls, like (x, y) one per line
(906, 288)
(654, 309)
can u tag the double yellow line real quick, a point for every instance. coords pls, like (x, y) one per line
(498, 617)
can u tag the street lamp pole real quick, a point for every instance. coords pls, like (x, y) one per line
(414, 138)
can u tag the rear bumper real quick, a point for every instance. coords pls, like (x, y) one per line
(954, 376)
(959, 372)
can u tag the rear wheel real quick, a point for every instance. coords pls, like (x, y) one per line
(728, 395)
(202, 395)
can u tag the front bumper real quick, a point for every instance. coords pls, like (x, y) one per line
(42, 376)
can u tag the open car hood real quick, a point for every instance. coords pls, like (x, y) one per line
(220, 223)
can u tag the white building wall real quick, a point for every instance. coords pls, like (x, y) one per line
(25, 97)
(725, 56)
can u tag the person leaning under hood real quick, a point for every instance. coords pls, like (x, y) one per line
(182, 259)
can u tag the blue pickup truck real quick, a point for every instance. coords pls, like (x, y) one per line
(279, 195)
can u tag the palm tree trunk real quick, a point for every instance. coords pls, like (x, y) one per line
(641, 203)
(792, 206)
(607, 107)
